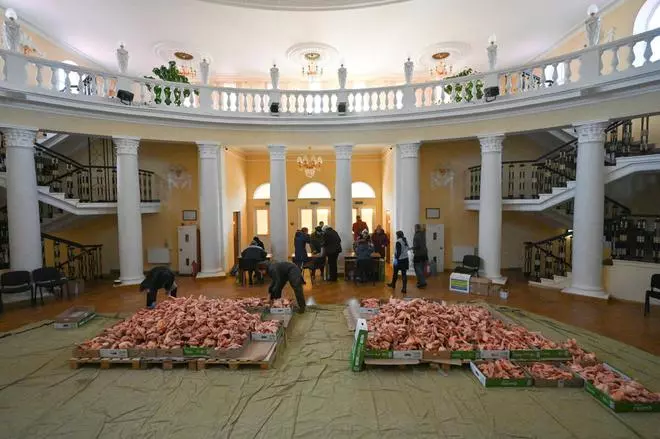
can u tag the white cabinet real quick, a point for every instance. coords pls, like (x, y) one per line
(435, 243)
(187, 248)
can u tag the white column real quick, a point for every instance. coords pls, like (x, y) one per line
(278, 218)
(343, 197)
(209, 210)
(589, 212)
(490, 206)
(22, 199)
(408, 198)
(225, 212)
(129, 218)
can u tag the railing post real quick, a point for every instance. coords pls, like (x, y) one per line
(590, 65)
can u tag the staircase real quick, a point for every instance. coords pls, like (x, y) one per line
(549, 181)
(68, 190)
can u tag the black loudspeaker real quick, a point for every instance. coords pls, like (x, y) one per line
(491, 93)
(125, 97)
(341, 108)
(275, 108)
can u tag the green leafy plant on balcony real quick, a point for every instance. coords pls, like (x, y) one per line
(171, 74)
(471, 88)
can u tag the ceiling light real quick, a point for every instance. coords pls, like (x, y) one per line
(312, 71)
(185, 65)
(441, 68)
(10, 14)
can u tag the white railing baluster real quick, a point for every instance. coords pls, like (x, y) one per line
(614, 63)
(53, 79)
(648, 52)
(39, 77)
(630, 59)
(67, 82)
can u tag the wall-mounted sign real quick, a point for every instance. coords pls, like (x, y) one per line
(189, 215)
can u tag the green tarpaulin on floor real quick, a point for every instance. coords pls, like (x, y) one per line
(311, 393)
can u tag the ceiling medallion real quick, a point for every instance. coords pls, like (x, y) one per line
(186, 60)
(313, 57)
(312, 71)
(185, 65)
(307, 5)
(309, 164)
(435, 58)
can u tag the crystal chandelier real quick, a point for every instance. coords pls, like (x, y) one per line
(312, 71)
(309, 164)
(185, 65)
(441, 69)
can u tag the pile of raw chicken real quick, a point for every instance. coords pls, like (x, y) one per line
(281, 303)
(370, 303)
(433, 327)
(549, 371)
(614, 385)
(185, 321)
(501, 369)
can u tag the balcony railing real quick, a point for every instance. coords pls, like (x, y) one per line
(585, 68)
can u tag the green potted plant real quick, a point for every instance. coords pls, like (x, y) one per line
(171, 74)
(472, 88)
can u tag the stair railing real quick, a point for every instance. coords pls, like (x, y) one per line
(549, 257)
(527, 179)
(634, 237)
(77, 261)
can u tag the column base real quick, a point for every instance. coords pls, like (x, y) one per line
(596, 293)
(211, 274)
(129, 281)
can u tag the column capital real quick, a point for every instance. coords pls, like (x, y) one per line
(491, 143)
(208, 150)
(591, 131)
(126, 145)
(19, 137)
(409, 150)
(277, 152)
(343, 151)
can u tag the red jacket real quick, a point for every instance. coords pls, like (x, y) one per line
(358, 227)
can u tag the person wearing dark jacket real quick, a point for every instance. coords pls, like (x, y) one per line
(157, 278)
(420, 255)
(281, 273)
(252, 255)
(401, 262)
(332, 248)
(300, 242)
(380, 240)
(363, 252)
(316, 244)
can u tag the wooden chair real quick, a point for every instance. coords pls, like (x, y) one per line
(654, 292)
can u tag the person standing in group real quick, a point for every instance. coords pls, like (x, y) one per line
(251, 257)
(401, 262)
(316, 244)
(420, 255)
(331, 248)
(259, 242)
(300, 242)
(358, 227)
(380, 240)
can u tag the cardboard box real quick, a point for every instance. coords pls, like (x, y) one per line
(74, 317)
(494, 354)
(168, 353)
(619, 406)
(286, 310)
(203, 352)
(575, 381)
(450, 355)
(258, 336)
(555, 354)
(79, 352)
(480, 286)
(525, 354)
(393, 355)
(499, 382)
(459, 283)
(359, 345)
(113, 353)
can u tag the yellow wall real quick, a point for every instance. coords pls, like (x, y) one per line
(236, 181)
(622, 17)
(367, 168)
(462, 226)
(388, 191)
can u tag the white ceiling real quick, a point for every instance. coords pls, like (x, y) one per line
(373, 42)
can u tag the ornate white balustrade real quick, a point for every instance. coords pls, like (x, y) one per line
(628, 57)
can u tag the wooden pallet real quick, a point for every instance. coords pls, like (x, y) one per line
(135, 363)
(261, 354)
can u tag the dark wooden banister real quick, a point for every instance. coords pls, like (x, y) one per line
(554, 238)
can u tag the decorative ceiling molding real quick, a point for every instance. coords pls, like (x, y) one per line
(164, 50)
(328, 54)
(305, 5)
(457, 50)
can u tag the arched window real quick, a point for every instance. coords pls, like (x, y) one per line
(314, 191)
(262, 192)
(648, 18)
(360, 189)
